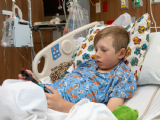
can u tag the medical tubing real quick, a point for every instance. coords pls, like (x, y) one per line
(63, 74)
(6, 9)
(41, 38)
(149, 104)
(5, 59)
(64, 10)
(152, 16)
(74, 53)
(23, 57)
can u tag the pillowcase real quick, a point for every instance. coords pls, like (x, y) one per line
(150, 73)
(138, 43)
(86, 49)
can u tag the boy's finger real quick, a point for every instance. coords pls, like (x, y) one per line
(51, 89)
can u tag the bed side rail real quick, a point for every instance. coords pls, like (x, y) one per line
(57, 52)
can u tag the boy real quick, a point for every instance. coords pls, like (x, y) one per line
(104, 80)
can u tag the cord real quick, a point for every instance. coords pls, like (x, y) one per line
(41, 38)
(152, 16)
(5, 58)
(149, 102)
(64, 10)
(23, 57)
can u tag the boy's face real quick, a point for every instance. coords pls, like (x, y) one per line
(106, 57)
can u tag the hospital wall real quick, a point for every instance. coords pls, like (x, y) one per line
(10, 60)
(114, 11)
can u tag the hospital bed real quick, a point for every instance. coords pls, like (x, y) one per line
(65, 47)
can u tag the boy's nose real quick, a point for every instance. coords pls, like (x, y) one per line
(97, 55)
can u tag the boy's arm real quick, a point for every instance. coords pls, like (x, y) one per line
(114, 102)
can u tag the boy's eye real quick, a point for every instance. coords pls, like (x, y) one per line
(104, 50)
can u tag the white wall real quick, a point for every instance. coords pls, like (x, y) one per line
(83, 3)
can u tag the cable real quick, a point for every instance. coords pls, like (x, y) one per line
(64, 10)
(5, 59)
(149, 102)
(94, 4)
(152, 16)
(23, 57)
(41, 38)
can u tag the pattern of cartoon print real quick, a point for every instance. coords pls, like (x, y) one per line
(93, 56)
(86, 56)
(137, 50)
(129, 26)
(86, 82)
(136, 40)
(90, 38)
(144, 47)
(134, 25)
(126, 62)
(141, 29)
(148, 26)
(79, 62)
(83, 46)
(128, 53)
(95, 32)
(90, 48)
(147, 37)
(134, 61)
(139, 20)
(79, 53)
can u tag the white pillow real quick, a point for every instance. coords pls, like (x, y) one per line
(137, 47)
(150, 73)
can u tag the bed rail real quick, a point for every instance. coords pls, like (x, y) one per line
(63, 47)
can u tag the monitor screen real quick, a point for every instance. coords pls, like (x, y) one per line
(51, 8)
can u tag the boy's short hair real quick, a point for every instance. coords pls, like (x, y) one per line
(119, 34)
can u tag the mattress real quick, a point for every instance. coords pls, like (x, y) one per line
(141, 99)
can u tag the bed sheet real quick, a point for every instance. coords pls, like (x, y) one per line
(141, 99)
(24, 100)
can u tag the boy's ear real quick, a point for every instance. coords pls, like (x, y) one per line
(122, 53)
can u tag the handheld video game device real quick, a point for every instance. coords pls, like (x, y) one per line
(30, 78)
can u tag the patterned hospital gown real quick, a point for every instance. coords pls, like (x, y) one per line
(86, 82)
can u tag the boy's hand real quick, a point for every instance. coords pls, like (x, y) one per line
(56, 102)
(21, 77)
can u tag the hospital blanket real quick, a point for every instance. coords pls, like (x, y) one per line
(24, 100)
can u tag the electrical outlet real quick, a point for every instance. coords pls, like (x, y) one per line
(155, 1)
(124, 4)
(137, 3)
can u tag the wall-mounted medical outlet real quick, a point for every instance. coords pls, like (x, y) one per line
(155, 1)
(124, 4)
(137, 3)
